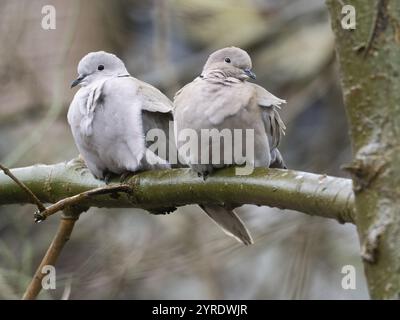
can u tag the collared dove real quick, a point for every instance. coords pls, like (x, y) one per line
(221, 98)
(109, 118)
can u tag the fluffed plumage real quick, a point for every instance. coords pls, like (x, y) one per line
(110, 116)
(222, 98)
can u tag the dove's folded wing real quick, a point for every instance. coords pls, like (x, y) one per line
(153, 100)
(273, 123)
(157, 114)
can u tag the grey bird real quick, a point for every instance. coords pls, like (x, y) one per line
(110, 116)
(106, 116)
(222, 98)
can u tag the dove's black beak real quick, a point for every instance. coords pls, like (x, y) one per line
(77, 81)
(250, 73)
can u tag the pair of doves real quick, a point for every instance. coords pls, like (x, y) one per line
(112, 112)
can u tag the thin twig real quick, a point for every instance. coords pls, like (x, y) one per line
(74, 200)
(62, 236)
(35, 199)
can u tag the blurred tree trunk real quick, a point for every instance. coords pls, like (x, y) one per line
(369, 58)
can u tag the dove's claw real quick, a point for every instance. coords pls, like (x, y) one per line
(162, 210)
(203, 174)
(107, 176)
(124, 176)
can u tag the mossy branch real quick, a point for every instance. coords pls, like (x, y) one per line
(159, 191)
(61, 237)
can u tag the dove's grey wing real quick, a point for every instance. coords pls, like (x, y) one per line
(157, 114)
(153, 99)
(270, 104)
(273, 123)
(156, 120)
(164, 122)
(156, 109)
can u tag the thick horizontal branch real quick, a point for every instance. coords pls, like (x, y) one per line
(309, 193)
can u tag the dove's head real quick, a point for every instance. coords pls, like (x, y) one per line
(233, 62)
(97, 65)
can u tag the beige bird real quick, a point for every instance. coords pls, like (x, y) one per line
(221, 98)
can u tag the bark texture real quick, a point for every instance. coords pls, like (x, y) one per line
(161, 191)
(369, 58)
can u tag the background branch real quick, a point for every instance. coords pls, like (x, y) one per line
(158, 191)
(62, 235)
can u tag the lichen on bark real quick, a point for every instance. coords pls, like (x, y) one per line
(369, 58)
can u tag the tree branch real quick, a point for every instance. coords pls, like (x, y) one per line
(78, 199)
(158, 191)
(35, 200)
(62, 235)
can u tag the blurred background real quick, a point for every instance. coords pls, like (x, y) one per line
(129, 254)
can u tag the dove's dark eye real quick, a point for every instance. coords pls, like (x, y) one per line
(227, 60)
(100, 67)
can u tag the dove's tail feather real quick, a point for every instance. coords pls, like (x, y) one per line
(229, 222)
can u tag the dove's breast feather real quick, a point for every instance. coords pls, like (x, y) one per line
(212, 101)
